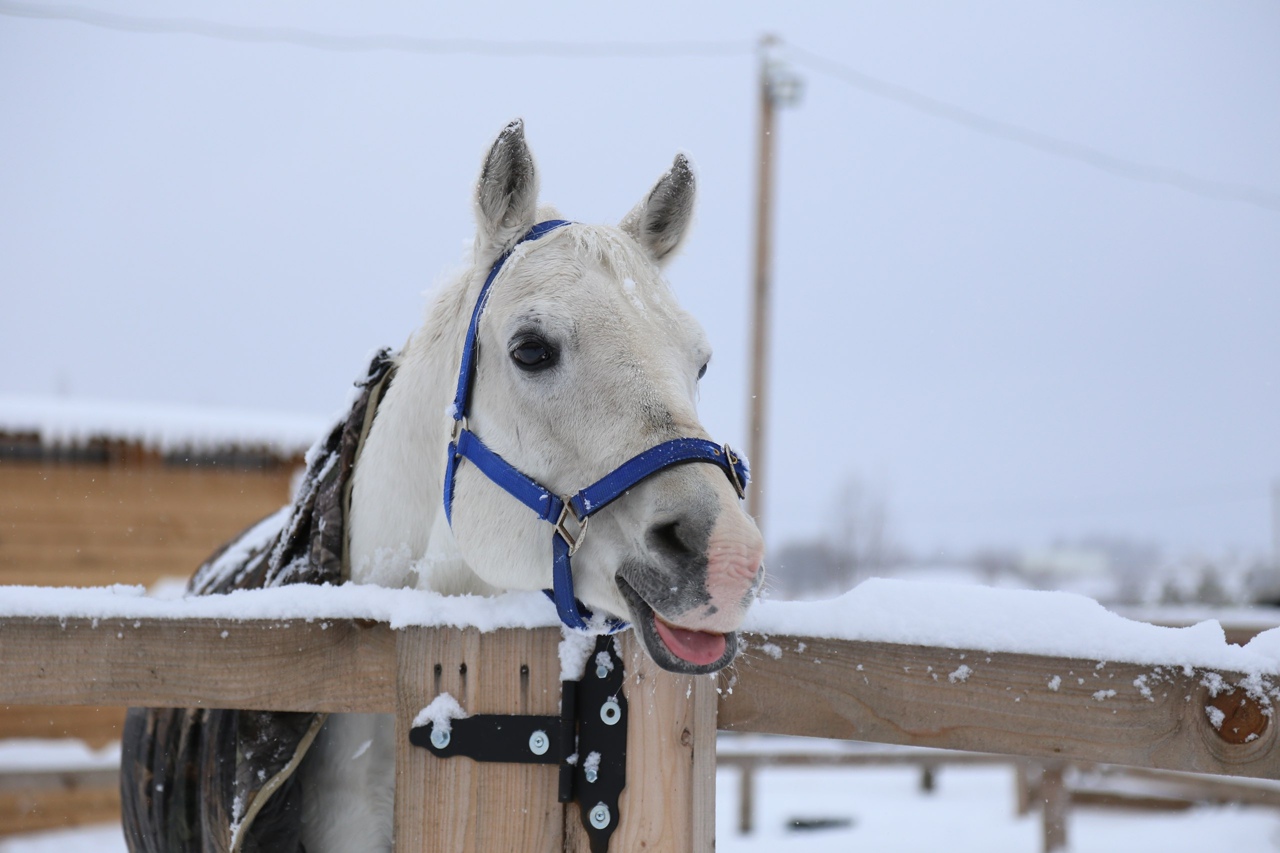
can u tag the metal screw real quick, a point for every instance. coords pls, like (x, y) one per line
(610, 713)
(600, 816)
(539, 743)
(439, 737)
(592, 774)
(602, 671)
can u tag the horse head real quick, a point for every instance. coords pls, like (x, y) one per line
(585, 360)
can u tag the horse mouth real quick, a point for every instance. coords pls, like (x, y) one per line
(677, 649)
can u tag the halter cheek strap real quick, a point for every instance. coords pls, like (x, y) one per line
(568, 515)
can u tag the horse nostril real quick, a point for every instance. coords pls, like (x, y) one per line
(669, 540)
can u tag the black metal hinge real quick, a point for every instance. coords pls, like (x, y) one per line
(588, 741)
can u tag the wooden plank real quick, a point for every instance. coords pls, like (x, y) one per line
(84, 524)
(335, 666)
(41, 566)
(174, 514)
(71, 541)
(747, 798)
(95, 726)
(1126, 802)
(59, 780)
(1002, 703)
(1197, 788)
(922, 758)
(141, 572)
(487, 806)
(31, 811)
(45, 799)
(702, 725)
(1155, 790)
(28, 563)
(669, 801)
(1055, 807)
(1026, 777)
(76, 492)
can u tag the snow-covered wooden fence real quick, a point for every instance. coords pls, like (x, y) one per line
(1205, 718)
(357, 666)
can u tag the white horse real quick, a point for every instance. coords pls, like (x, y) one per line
(586, 360)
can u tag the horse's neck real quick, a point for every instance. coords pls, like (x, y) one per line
(399, 536)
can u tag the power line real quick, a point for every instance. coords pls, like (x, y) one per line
(369, 43)
(937, 108)
(1043, 142)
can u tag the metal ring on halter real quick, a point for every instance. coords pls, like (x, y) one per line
(573, 540)
(732, 470)
(459, 427)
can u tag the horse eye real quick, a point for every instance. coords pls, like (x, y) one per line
(534, 354)
(702, 371)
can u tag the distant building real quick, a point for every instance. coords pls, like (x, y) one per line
(93, 494)
(103, 493)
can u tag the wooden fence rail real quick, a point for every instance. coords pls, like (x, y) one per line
(1054, 708)
(1161, 789)
(352, 666)
(1014, 704)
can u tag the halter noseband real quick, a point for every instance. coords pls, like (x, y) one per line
(557, 511)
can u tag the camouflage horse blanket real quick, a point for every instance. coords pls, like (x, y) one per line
(195, 780)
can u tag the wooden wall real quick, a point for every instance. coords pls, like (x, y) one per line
(91, 524)
(133, 520)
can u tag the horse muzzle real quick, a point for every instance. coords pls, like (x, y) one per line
(689, 598)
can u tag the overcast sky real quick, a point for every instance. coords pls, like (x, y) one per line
(1014, 346)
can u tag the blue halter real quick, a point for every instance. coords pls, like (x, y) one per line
(578, 508)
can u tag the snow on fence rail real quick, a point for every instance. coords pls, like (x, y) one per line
(1031, 674)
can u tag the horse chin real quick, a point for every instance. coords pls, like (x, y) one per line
(677, 649)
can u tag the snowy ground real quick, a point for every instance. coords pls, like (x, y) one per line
(971, 809)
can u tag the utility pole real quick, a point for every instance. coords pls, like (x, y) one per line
(1275, 524)
(779, 87)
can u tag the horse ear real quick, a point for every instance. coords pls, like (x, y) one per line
(658, 223)
(506, 194)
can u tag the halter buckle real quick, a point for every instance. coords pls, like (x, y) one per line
(459, 427)
(732, 459)
(573, 540)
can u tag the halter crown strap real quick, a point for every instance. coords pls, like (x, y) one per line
(467, 372)
(552, 509)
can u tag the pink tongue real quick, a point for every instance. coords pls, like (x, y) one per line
(696, 647)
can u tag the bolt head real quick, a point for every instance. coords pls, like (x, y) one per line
(600, 816)
(539, 743)
(602, 672)
(439, 738)
(592, 774)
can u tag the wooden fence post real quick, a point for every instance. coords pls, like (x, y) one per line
(670, 799)
(457, 804)
(1055, 800)
(747, 798)
(460, 805)
(1025, 781)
